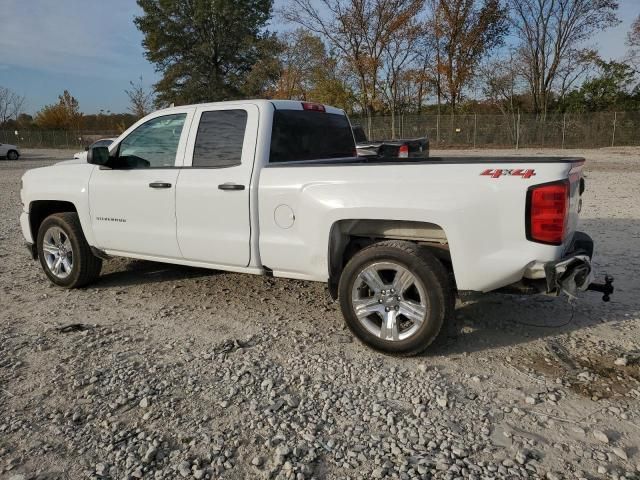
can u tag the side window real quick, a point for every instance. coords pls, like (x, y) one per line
(152, 144)
(308, 135)
(220, 138)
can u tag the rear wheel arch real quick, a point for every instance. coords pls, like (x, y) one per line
(348, 237)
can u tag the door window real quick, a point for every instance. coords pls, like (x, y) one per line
(153, 144)
(220, 138)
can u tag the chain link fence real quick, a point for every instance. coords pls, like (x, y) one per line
(587, 130)
(592, 130)
(53, 138)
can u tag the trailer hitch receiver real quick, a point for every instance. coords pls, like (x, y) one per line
(605, 288)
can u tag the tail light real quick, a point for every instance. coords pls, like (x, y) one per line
(547, 209)
(403, 152)
(314, 107)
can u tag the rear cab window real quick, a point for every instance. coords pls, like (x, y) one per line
(299, 135)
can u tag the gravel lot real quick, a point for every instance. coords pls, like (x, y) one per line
(189, 373)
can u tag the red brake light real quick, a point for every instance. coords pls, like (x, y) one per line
(547, 207)
(314, 107)
(403, 152)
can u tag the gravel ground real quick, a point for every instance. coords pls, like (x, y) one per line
(187, 373)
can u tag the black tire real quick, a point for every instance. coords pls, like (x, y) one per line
(12, 155)
(85, 267)
(440, 300)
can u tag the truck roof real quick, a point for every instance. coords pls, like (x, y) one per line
(277, 104)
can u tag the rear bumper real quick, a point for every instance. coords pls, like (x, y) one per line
(570, 274)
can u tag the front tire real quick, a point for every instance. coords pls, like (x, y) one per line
(64, 253)
(12, 155)
(395, 297)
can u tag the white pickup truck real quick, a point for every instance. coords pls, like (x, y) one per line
(274, 188)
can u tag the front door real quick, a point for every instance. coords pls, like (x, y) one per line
(212, 197)
(132, 203)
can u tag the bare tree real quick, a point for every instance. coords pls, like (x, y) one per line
(399, 54)
(465, 31)
(360, 31)
(503, 85)
(10, 105)
(551, 34)
(633, 42)
(141, 99)
(502, 82)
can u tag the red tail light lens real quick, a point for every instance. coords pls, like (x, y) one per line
(314, 107)
(404, 151)
(547, 208)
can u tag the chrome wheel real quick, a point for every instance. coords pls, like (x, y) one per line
(389, 301)
(58, 252)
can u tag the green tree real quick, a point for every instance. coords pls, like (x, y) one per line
(612, 89)
(64, 115)
(206, 49)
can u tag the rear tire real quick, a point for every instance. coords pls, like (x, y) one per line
(64, 253)
(395, 297)
(12, 155)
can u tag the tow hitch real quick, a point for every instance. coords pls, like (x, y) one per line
(573, 274)
(605, 288)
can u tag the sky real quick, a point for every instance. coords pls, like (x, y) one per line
(93, 49)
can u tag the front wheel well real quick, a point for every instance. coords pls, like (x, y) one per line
(348, 237)
(41, 209)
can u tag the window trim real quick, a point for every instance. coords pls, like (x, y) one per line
(250, 143)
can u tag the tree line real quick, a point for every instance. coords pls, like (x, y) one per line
(393, 56)
(375, 57)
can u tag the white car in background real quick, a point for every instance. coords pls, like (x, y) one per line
(10, 152)
(103, 142)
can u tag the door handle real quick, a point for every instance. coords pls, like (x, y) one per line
(160, 185)
(230, 186)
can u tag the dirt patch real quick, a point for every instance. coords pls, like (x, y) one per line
(592, 376)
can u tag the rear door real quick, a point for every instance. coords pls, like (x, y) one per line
(212, 196)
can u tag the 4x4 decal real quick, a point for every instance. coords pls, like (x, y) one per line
(517, 172)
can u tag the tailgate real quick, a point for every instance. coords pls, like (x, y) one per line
(576, 187)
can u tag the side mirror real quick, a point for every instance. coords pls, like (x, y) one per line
(86, 149)
(98, 156)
